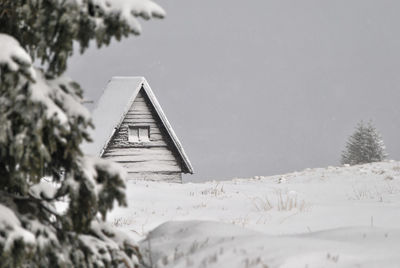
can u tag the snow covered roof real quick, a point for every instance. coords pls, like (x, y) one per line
(111, 109)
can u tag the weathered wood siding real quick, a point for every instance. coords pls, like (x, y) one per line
(154, 160)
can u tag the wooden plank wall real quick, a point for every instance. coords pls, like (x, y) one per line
(154, 160)
(157, 176)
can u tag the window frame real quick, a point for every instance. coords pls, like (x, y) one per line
(138, 127)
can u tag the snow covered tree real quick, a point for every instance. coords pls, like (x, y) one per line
(364, 146)
(59, 222)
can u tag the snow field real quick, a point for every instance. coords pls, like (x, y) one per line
(212, 244)
(313, 218)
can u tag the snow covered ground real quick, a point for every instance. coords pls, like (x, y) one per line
(324, 217)
(210, 244)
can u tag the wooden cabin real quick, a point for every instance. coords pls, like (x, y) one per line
(132, 129)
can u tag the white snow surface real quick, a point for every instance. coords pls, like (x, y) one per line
(212, 244)
(14, 56)
(322, 217)
(129, 9)
(90, 164)
(43, 90)
(13, 230)
(45, 188)
(118, 239)
(112, 106)
(71, 103)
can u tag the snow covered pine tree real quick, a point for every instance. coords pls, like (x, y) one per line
(42, 124)
(364, 146)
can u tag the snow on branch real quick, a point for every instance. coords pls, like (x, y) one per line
(11, 226)
(99, 250)
(43, 189)
(129, 9)
(65, 90)
(102, 179)
(109, 243)
(41, 92)
(14, 56)
(112, 235)
(45, 235)
(91, 166)
(59, 97)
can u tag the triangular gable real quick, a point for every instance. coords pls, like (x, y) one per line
(112, 108)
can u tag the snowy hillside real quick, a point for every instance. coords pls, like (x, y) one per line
(271, 213)
(210, 244)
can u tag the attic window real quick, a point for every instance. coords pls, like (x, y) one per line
(139, 134)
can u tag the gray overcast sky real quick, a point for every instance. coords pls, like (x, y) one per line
(263, 87)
